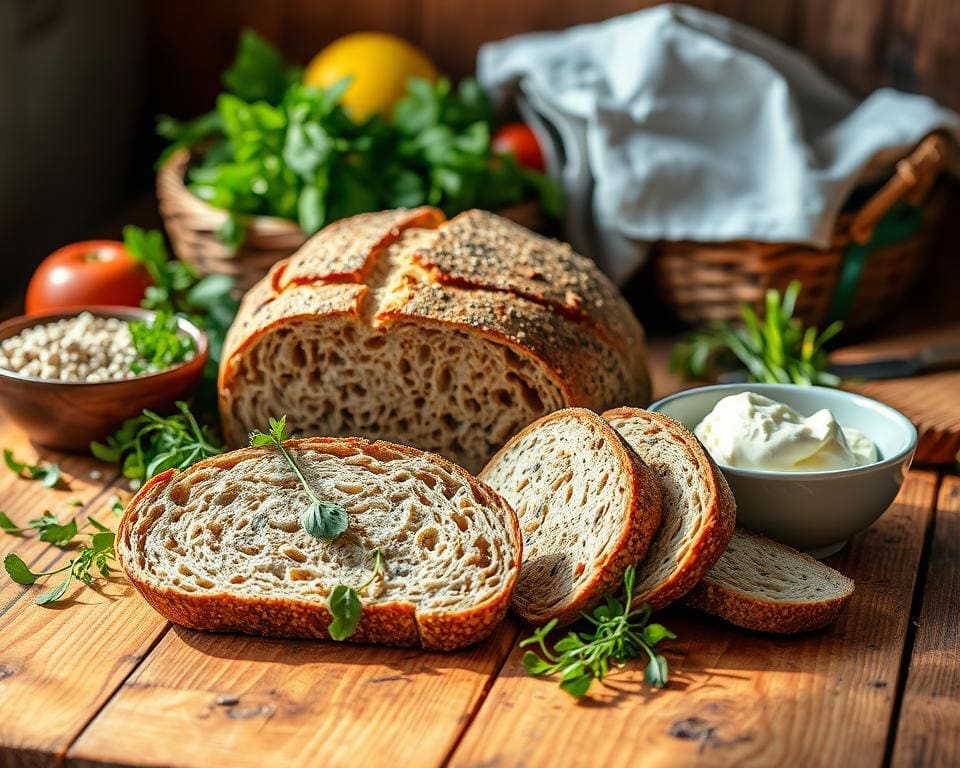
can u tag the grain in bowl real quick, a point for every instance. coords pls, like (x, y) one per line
(90, 348)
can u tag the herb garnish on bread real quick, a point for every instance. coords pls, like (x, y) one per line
(588, 509)
(221, 547)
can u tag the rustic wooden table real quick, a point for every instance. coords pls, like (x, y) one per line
(103, 680)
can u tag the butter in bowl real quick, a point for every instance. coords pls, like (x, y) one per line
(67, 378)
(809, 466)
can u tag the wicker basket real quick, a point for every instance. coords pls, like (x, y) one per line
(875, 254)
(192, 225)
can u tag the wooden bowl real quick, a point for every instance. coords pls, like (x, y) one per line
(67, 415)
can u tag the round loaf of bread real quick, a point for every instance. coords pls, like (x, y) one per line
(450, 336)
(220, 546)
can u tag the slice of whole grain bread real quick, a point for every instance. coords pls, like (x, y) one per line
(763, 585)
(220, 546)
(699, 512)
(588, 508)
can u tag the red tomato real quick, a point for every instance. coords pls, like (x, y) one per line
(518, 140)
(85, 274)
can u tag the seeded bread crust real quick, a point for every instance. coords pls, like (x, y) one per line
(387, 622)
(698, 526)
(739, 591)
(560, 491)
(513, 326)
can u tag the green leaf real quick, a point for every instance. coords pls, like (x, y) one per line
(534, 665)
(18, 570)
(260, 440)
(105, 452)
(56, 593)
(577, 686)
(103, 541)
(116, 506)
(12, 464)
(324, 520)
(657, 672)
(60, 535)
(8, 526)
(654, 633)
(48, 475)
(96, 524)
(258, 71)
(345, 608)
(278, 428)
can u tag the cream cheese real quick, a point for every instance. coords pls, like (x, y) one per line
(754, 432)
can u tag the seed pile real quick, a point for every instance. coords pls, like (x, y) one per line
(81, 348)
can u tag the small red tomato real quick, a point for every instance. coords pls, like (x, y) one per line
(84, 274)
(518, 140)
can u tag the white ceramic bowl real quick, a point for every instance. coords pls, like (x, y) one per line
(813, 511)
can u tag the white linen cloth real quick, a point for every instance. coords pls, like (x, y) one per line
(674, 123)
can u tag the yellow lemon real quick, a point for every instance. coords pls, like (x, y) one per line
(379, 64)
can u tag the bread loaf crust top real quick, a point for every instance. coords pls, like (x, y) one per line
(476, 272)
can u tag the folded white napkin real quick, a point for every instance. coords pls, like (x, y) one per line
(677, 124)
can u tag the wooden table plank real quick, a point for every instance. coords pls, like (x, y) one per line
(202, 699)
(929, 727)
(736, 697)
(60, 663)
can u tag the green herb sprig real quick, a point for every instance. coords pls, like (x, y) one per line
(94, 556)
(177, 289)
(322, 519)
(159, 343)
(775, 349)
(48, 473)
(149, 444)
(345, 606)
(619, 633)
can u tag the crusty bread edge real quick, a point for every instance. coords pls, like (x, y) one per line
(382, 623)
(716, 530)
(643, 494)
(782, 617)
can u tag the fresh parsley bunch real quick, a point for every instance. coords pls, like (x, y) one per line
(276, 147)
(177, 289)
(775, 349)
(619, 632)
(149, 444)
(159, 343)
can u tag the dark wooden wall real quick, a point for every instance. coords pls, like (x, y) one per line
(910, 44)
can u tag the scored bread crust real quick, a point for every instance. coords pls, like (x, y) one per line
(687, 565)
(388, 623)
(640, 498)
(569, 336)
(717, 596)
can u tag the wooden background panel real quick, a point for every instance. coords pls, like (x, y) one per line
(736, 698)
(863, 43)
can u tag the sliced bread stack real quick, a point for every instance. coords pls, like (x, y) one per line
(588, 507)
(587, 510)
